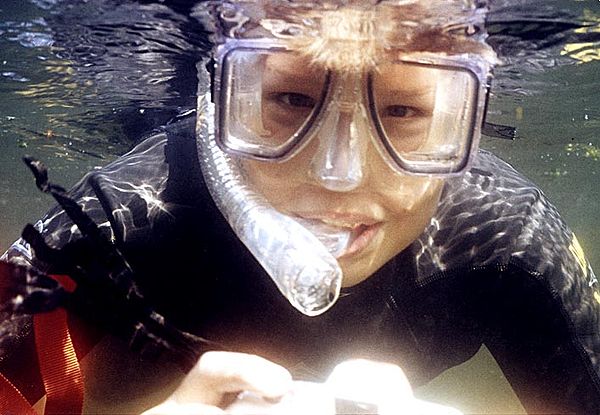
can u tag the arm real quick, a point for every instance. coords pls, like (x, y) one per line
(65, 244)
(547, 315)
(218, 377)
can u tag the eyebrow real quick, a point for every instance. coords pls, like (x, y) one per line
(411, 91)
(297, 80)
(289, 72)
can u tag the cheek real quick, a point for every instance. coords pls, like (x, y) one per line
(275, 181)
(410, 208)
(410, 195)
(278, 180)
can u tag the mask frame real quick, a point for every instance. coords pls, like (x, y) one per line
(477, 68)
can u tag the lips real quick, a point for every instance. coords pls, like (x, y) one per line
(362, 229)
(360, 238)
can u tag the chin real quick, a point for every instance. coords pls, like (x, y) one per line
(357, 270)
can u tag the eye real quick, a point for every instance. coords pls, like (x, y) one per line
(294, 99)
(400, 111)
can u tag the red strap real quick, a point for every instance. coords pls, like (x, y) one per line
(59, 367)
(11, 400)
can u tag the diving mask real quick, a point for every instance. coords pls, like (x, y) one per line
(422, 112)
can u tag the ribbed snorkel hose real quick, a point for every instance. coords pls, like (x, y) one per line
(299, 264)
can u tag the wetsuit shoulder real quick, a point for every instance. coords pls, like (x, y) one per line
(500, 264)
(140, 173)
(112, 197)
(479, 218)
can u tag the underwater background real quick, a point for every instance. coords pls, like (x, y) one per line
(82, 81)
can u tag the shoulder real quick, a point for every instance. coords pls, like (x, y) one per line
(125, 200)
(120, 193)
(147, 163)
(493, 221)
(493, 215)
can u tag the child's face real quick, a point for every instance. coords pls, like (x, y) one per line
(385, 209)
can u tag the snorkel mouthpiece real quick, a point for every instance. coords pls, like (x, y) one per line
(336, 240)
(302, 267)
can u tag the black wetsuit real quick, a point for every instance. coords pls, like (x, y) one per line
(496, 266)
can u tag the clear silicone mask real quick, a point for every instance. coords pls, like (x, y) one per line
(424, 114)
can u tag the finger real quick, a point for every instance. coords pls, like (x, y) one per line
(171, 407)
(234, 372)
(220, 373)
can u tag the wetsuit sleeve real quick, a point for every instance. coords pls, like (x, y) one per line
(141, 172)
(544, 318)
(57, 229)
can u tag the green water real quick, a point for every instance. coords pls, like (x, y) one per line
(559, 148)
(558, 117)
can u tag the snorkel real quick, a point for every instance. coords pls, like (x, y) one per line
(300, 257)
(300, 262)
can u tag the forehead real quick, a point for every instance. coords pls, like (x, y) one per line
(294, 66)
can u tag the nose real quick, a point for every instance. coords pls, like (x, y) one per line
(338, 163)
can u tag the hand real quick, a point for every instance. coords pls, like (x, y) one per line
(381, 384)
(219, 375)
(354, 386)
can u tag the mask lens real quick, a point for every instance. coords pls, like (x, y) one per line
(270, 98)
(425, 115)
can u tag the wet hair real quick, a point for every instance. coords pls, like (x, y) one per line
(353, 34)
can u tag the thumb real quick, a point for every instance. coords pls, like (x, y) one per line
(220, 373)
(170, 407)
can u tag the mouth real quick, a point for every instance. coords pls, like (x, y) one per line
(343, 235)
(361, 238)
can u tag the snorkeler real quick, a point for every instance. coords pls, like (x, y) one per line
(334, 159)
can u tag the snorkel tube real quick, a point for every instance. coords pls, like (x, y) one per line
(302, 267)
